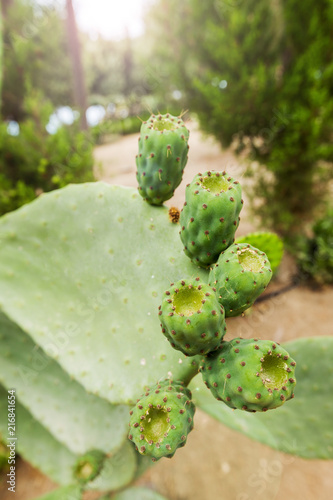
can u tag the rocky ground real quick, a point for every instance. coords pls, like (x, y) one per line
(218, 463)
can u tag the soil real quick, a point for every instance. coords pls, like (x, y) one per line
(217, 462)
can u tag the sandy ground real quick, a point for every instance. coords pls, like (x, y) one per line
(218, 463)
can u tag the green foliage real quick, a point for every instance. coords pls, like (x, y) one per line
(315, 253)
(113, 127)
(35, 161)
(35, 52)
(251, 78)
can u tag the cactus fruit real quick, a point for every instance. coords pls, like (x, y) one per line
(250, 374)
(270, 243)
(162, 156)
(240, 275)
(191, 317)
(89, 466)
(210, 216)
(161, 419)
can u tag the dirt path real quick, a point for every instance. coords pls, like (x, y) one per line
(218, 463)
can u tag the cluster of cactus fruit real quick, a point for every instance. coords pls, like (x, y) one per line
(246, 374)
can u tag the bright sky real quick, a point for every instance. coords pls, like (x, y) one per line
(111, 18)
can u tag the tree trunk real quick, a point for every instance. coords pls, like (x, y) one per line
(79, 89)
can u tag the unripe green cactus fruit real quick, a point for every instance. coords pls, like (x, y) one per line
(191, 317)
(250, 374)
(210, 216)
(270, 243)
(240, 275)
(162, 419)
(163, 147)
(89, 466)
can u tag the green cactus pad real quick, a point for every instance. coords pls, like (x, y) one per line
(72, 492)
(210, 216)
(36, 445)
(89, 466)
(162, 156)
(240, 275)
(161, 420)
(77, 419)
(270, 243)
(4, 455)
(73, 268)
(250, 374)
(138, 494)
(191, 317)
(303, 426)
(118, 470)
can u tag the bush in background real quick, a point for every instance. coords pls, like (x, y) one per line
(35, 161)
(315, 253)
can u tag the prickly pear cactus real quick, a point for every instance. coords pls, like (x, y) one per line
(268, 242)
(162, 419)
(82, 272)
(240, 275)
(162, 156)
(191, 317)
(210, 216)
(89, 466)
(250, 374)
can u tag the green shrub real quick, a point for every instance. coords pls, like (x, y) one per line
(315, 254)
(36, 161)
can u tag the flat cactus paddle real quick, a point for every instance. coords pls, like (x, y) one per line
(82, 270)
